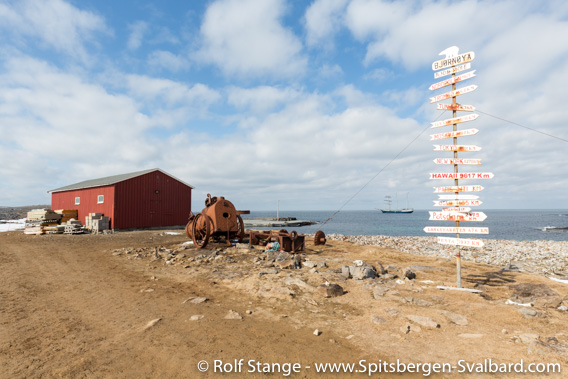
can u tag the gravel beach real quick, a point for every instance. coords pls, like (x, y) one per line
(543, 257)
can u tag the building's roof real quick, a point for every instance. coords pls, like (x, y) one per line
(106, 181)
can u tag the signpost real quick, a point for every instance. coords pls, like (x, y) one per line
(458, 204)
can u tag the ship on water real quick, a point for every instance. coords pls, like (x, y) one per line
(388, 201)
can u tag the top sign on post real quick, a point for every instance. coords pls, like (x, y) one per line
(453, 61)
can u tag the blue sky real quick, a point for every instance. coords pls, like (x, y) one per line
(266, 100)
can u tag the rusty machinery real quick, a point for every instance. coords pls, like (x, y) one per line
(218, 219)
(291, 242)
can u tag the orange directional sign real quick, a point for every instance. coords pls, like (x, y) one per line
(458, 189)
(457, 203)
(456, 120)
(450, 229)
(456, 148)
(455, 93)
(453, 70)
(453, 61)
(458, 133)
(456, 216)
(460, 241)
(455, 107)
(461, 175)
(457, 209)
(455, 79)
(457, 161)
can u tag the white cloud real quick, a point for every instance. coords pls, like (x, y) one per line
(323, 18)
(261, 99)
(246, 38)
(55, 23)
(137, 31)
(168, 61)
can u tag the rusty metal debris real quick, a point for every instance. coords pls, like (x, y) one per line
(319, 238)
(290, 242)
(219, 219)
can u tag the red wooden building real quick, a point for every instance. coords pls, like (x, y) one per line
(149, 198)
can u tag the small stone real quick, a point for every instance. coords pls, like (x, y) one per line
(379, 292)
(152, 323)
(199, 300)
(248, 312)
(378, 320)
(504, 331)
(528, 337)
(455, 318)
(310, 264)
(317, 332)
(331, 290)
(528, 312)
(196, 317)
(423, 321)
(232, 315)
(392, 312)
(409, 274)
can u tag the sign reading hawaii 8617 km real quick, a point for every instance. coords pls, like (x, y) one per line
(457, 206)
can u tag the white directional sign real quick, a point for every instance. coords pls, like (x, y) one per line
(460, 241)
(475, 161)
(456, 148)
(461, 175)
(453, 229)
(457, 203)
(453, 70)
(457, 209)
(458, 189)
(457, 92)
(453, 61)
(456, 120)
(453, 80)
(458, 197)
(455, 107)
(450, 216)
(457, 133)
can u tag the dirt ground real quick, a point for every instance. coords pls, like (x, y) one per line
(121, 305)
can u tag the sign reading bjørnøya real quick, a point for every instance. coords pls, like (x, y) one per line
(460, 241)
(451, 216)
(461, 175)
(456, 120)
(452, 80)
(457, 92)
(453, 229)
(456, 148)
(452, 70)
(455, 107)
(474, 161)
(458, 189)
(457, 133)
(453, 61)
(457, 203)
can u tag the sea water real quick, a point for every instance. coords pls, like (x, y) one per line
(519, 225)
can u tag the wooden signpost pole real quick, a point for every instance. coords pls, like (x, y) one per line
(459, 211)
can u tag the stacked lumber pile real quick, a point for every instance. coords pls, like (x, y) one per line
(96, 222)
(43, 217)
(67, 214)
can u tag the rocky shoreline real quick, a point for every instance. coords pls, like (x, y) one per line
(542, 257)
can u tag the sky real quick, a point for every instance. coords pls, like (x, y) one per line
(311, 105)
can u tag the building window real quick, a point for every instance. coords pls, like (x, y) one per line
(77, 200)
(100, 199)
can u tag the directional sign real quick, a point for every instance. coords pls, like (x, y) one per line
(456, 120)
(453, 229)
(453, 70)
(450, 216)
(457, 161)
(457, 203)
(460, 241)
(458, 189)
(461, 175)
(457, 133)
(456, 148)
(455, 107)
(457, 209)
(458, 197)
(453, 61)
(455, 93)
(455, 79)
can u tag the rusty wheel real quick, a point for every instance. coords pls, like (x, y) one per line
(201, 230)
(319, 238)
